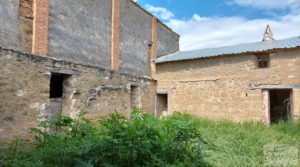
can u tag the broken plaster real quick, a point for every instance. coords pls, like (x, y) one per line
(96, 92)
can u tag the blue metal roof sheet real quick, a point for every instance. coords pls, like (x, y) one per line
(231, 50)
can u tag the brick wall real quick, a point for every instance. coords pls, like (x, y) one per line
(115, 46)
(40, 27)
(218, 88)
(153, 52)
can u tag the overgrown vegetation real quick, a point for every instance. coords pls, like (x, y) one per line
(142, 140)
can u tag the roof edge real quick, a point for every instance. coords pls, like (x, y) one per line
(159, 61)
(140, 7)
(168, 55)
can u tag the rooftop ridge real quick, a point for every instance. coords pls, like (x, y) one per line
(244, 48)
(249, 43)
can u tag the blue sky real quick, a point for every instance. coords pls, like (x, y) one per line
(213, 23)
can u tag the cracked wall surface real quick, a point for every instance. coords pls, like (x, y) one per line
(25, 86)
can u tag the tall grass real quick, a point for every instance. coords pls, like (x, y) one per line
(242, 144)
(116, 141)
(143, 140)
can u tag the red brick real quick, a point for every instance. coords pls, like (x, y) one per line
(115, 45)
(40, 27)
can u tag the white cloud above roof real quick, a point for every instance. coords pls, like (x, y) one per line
(200, 32)
(206, 32)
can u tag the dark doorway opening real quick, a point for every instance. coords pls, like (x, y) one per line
(161, 104)
(57, 86)
(134, 96)
(280, 105)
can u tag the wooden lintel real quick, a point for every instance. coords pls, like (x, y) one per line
(64, 71)
(274, 86)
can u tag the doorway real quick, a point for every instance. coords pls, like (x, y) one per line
(134, 97)
(57, 87)
(280, 105)
(161, 104)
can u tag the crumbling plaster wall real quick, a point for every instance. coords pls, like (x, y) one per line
(80, 31)
(135, 34)
(218, 88)
(167, 40)
(25, 86)
(16, 24)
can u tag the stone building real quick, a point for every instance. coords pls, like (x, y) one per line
(71, 56)
(63, 57)
(255, 81)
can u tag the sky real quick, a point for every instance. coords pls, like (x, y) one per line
(214, 23)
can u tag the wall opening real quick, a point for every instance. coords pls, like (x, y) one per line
(134, 96)
(161, 104)
(57, 86)
(280, 105)
(263, 60)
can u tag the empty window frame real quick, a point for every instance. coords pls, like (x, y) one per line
(263, 60)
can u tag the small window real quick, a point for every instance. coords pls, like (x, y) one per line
(263, 61)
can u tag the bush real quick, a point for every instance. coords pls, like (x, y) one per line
(141, 140)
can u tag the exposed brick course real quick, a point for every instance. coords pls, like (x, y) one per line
(115, 46)
(153, 52)
(40, 27)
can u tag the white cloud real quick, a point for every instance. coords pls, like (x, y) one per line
(160, 12)
(206, 32)
(268, 4)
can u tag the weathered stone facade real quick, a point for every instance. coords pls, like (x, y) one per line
(220, 87)
(56, 60)
(101, 57)
(25, 87)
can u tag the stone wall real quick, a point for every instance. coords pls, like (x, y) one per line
(16, 24)
(136, 27)
(80, 31)
(218, 88)
(167, 40)
(25, 86)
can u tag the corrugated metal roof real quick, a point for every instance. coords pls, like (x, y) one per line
(230, 50)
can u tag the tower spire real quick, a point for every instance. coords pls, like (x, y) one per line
(268, 35)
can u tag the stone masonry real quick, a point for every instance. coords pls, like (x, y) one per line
(98, 57)
(24, 87)
(220, 87)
